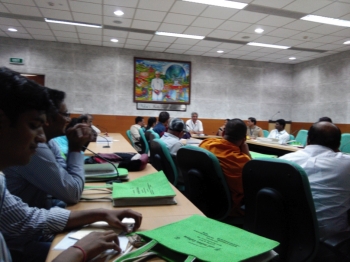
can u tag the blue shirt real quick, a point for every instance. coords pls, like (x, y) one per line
(159, 128)
(48, 174)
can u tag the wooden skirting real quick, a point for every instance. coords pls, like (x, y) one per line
(119, 124)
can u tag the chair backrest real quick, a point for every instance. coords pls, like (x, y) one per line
(205, 184)
(153, 135)
(302, 137)
(266, 133)
(162, 160)
(345, 143)
(128, 134)
(291, 137)
(279, 206)
(143, 142)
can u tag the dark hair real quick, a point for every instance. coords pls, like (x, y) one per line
(235, 129)
(325, 119)
(252, 119)
(150, 122)
(57, 97)
(138, 119)
(73, 122)
(282, 122)
(163, 117)
(20, 94)
(83, 118)
(324, 134)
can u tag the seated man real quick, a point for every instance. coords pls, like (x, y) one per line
(87, 119)
(279, 133)
(67, 178)
(328, 171)
(175, 132)
(253, 130)
(232, 153)
(221, 130)
(162, 124)
(135, 133)
(194, 125)
(27, 230)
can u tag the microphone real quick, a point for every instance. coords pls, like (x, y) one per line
(274, 115)
(105, 129)
(117, 179)
(107, 146)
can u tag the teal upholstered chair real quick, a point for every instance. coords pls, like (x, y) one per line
(266, 133)
(291, 137)
(143, 142)
(128, 134)
(302, 137)
(345, 143)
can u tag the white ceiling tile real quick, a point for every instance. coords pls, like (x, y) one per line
(57, 14)
(20, 2)
(121, 40)
(174, 51)
(272, 3)
(207, 22)
(309, 45)
(65, 34)
(325, 29)
(186, 41)
(268, 39)
(289, 42)
(3, 34)
(86, 8)
(248, 17)
(283, 32)
(172, 18)
(268, 50)
(159, 44)
(90, 42)
(187, 8)
(212, 54)
(334, 10)
(248, 57)
(92, 1)
(148, 15)
(9, 21)
(305, 54)
(221, 34)
(198, 31)
(33, 24)
(171, 28)
(306, 6)
(330, 47)
(273, 20)
(145, 25)
(243, 37)
(192, 52)
(301, 25)
(306, 36)
(155, 49)
(229, 46)
(258, 54)
(163, 5)
(230, 56)
(219, 12)
(57, 4)
(108, 10)
(23, 10)
(201, 48)
(329, 39)
(343, 32)
(90, 37)
(343, 48)
(267, 29)
(61, 27)
(140, 36)
(114, 33)
(250, 48)
(136, 47)
(239, 52)
(178, 46)
(109, 20)
(288, 52)
(111, 44)
(3, 9)
(163, 39)
(346, 17)
(89, 30)
(87, 18)
(19, 35)
(44, 37)
(136, 42)
(208, 43)
(234, 26)
(277, 56)
(68, 40)
(126, 3)
(35, 31)
(264, 59)
(215, 50)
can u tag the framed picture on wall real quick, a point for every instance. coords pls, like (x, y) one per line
(162, 81)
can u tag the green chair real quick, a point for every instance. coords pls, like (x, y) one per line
(266, 133)
(302, 137)
(291, 137)
(143, 142)
(345, 143)
(128, 134)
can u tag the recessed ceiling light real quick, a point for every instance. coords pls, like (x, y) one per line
(326, 20)
(292, 58)
(268, 45)
(259, 30)
(114, 40)
(222, 3)
(12, 29)
(220, 51)
(65, 22)
(119, 12)
(181, 35)
(346, 43)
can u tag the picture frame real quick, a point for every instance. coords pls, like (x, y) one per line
(162, 81)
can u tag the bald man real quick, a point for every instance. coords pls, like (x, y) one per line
(328, 171)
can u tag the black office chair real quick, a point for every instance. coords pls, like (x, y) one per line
(279, 206)
(205, 184)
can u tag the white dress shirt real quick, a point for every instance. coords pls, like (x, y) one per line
(282, 136)
(329, 177)
(196, 127)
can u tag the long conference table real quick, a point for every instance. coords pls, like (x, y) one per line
(152, 216)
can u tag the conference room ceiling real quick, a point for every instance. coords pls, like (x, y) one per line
(225, 29)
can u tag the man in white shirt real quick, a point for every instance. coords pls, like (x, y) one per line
(157, 85)
(175, 132)
(135, 132)
(279, 132)
(194, 125)
(328, 171)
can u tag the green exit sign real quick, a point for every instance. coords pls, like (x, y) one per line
(18, 61)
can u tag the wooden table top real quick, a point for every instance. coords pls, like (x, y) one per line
(276, 146)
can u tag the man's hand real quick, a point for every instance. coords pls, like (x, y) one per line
(156, 91)
(114, 218)
(245, 149)
(78, 136)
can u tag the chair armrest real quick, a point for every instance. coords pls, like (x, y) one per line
(336, 240)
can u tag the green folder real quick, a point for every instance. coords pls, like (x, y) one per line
(259, 155)
(149, 190)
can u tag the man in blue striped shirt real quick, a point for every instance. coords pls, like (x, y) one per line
(22, 115)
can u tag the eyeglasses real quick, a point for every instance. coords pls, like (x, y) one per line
(66, 115)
